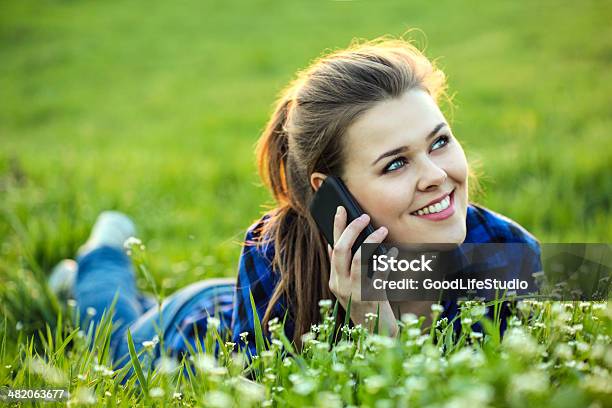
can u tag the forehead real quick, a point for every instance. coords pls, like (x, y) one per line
(389, 124)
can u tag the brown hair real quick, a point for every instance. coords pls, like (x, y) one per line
(304, 135)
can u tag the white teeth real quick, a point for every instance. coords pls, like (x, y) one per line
(435, 208)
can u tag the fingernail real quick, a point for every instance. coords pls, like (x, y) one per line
(364, 217)
(338, 210)
(382, 231)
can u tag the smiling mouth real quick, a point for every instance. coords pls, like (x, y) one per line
(436, 207)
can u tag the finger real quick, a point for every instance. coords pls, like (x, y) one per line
(350, 233)
(342, 254)
(376, 237)
(339, 223)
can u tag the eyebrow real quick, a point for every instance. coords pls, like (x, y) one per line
(405, 148)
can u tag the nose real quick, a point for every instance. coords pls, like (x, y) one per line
(432, 175)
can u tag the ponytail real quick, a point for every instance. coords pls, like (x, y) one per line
(299, 248)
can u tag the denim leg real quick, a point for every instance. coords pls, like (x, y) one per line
(181, 305)
(102, 273)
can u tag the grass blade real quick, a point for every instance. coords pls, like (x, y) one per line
(136, 363)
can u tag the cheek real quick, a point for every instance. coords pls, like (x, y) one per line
(386, 202)
(455, 165)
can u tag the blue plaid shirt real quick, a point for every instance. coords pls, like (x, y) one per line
(255, 273)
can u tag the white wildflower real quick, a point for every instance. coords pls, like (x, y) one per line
(325, 303)
(167, 365)
(83, 396)
(375, 383)
(133, 242)
(410, 319)
(476, 335)
(564, 351)
(156, 392)
(218, 399)
(532, 382)
(204, 362)
(250, 391)
(437, 308)
(213, 323)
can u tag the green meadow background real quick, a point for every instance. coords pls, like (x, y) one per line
(154, 108)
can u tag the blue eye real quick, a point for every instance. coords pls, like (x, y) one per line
(395, 164)
(437, 144)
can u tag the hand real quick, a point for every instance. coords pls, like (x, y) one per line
(345, 270)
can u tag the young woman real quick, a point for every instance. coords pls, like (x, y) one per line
(368, 114)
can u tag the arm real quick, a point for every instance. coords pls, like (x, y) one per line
(256, 276)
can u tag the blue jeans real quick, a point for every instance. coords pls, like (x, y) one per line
(107, 271)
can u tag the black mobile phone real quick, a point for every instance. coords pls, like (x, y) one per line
(332, 193)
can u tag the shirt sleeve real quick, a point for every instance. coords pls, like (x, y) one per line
(257, 276)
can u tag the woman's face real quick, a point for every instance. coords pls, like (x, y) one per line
(407, 170)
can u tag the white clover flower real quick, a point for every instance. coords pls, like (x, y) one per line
(71, 303)
(148, 345)
(91, 311)
(177, 396)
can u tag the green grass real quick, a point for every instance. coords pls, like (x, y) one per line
(154, 110)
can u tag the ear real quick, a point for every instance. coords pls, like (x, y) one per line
(316, 179)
